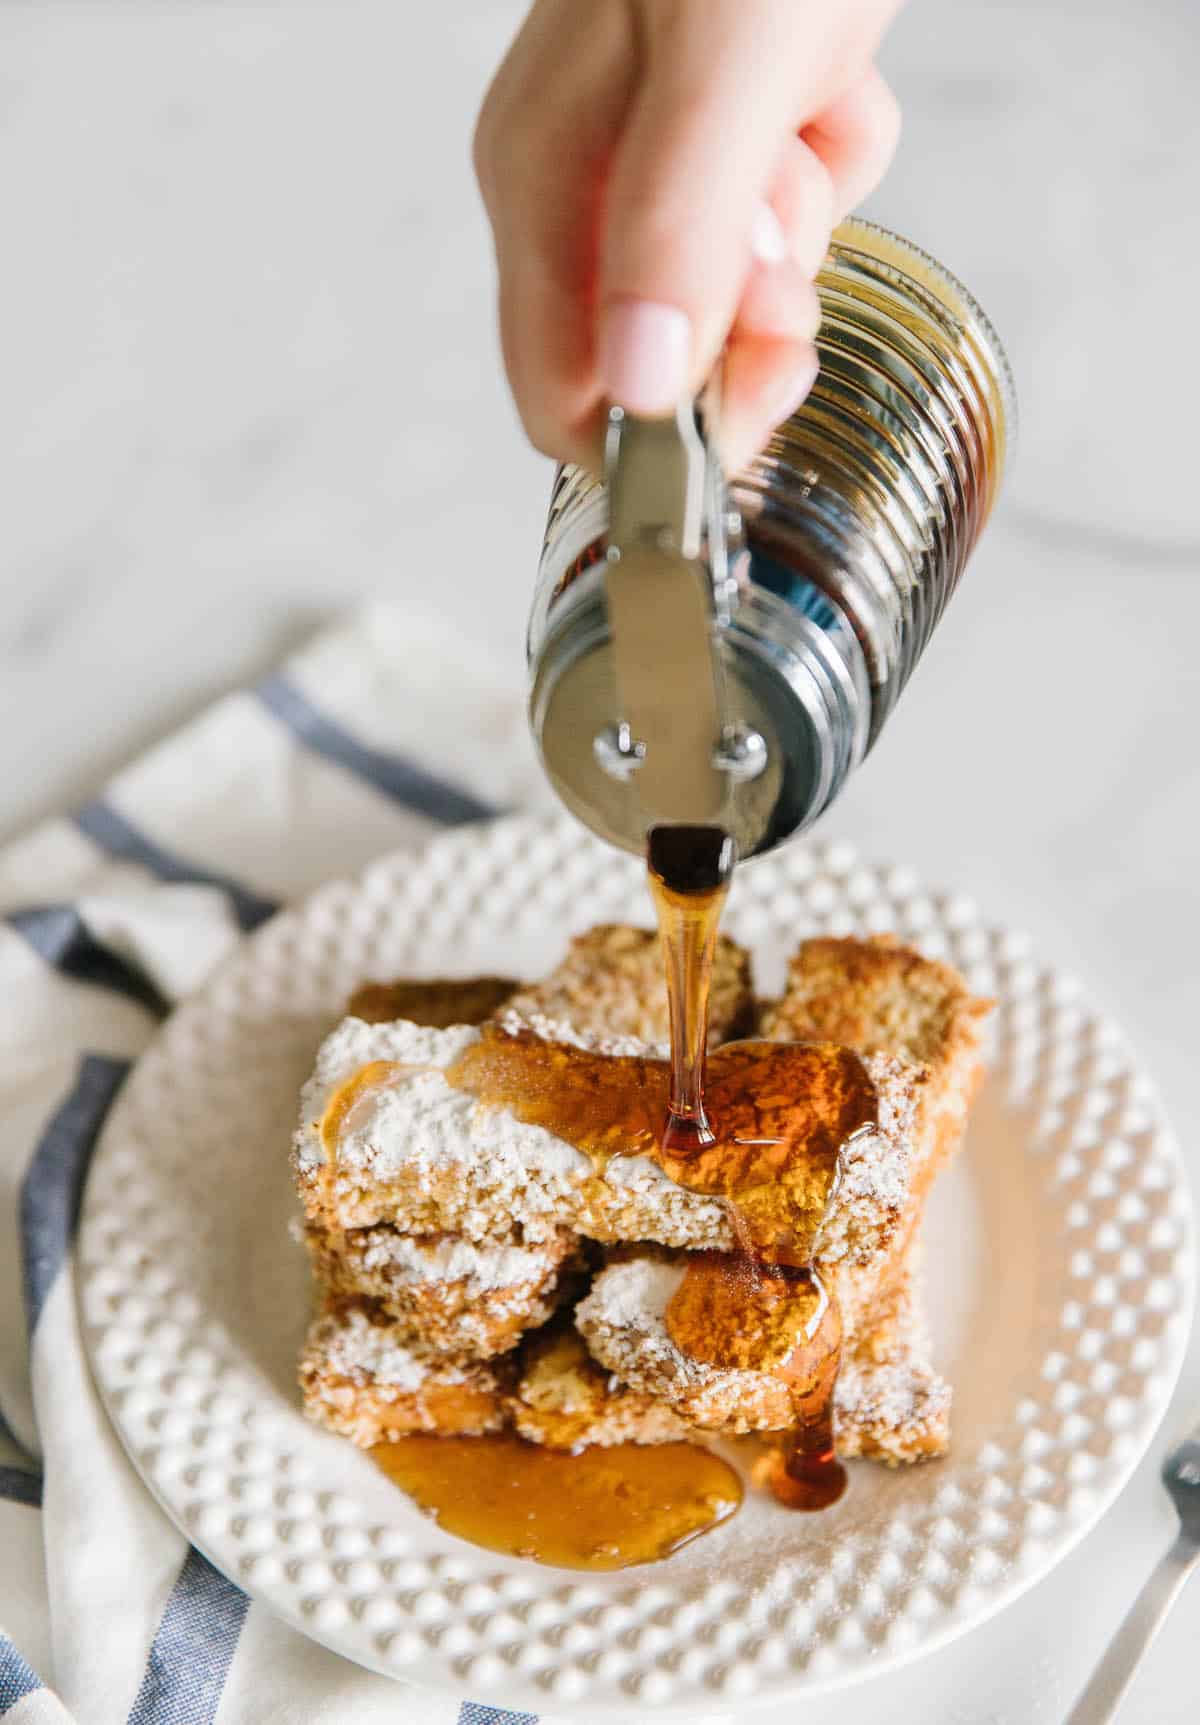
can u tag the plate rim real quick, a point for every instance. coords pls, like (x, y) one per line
(829, 855)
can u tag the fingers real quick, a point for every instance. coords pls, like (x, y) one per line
(541, 153)
(771, 362)
(697, 153)
(625, 154)
(764, 379)
(779, 300)
(677, 257)
(805, 199)
(546, 339)
(855, 138)
(820, 176)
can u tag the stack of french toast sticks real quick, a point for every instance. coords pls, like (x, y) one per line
(476, 1272)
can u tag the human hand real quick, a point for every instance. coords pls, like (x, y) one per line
(662, 178)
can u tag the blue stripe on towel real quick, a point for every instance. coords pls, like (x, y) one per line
(120, 838)
(53, 1183)
(193, 1648)
(23, 1483)
(396, 777)
(59, 933)
(17, 1676)
(19, 1486)
(475, 1713)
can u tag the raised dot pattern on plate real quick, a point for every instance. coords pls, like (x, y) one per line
(241, 1472)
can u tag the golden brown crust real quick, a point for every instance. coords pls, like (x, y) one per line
(358, 1379)
(611, 984)
(483, 1204)
(876, 995)
(368, 1415)
(565, 1401)
(445, 1293)
(890, 1404)
(438, 1002)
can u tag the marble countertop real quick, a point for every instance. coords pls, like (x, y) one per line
(251, 377)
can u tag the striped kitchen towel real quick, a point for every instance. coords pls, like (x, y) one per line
(379, 734)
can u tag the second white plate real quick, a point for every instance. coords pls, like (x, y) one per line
(1059, 1272)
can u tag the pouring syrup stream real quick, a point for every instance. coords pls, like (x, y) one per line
(690, 871)
(732, 1308)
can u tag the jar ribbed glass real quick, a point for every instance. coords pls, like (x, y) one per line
(854, 527)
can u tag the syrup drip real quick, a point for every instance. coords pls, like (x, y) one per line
(601, 1509)
(734, 1312)
(762, 1307)
(367, 1078)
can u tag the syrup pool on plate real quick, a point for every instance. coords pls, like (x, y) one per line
(603, 1508)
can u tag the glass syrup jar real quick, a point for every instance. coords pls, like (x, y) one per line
(827, 562)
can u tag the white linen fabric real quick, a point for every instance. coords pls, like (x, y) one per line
(378, 734)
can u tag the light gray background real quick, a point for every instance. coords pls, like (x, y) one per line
(250, 376)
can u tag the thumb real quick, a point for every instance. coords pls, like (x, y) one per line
(712, 114)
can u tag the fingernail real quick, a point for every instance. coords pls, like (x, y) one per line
(768, 241)
(786, 393)
(645, 354)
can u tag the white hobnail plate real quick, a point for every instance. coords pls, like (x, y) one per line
(1058, 1277)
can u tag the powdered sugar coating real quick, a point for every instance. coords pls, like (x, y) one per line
(892, 1397)
(443, 1292)
(876, 1165)
(415, 1118)
(623, 1322)
(633, 1293)
(353, 1347)
(483, 1267)
(355, 1044)
(366, 1379)
(594, 1041)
